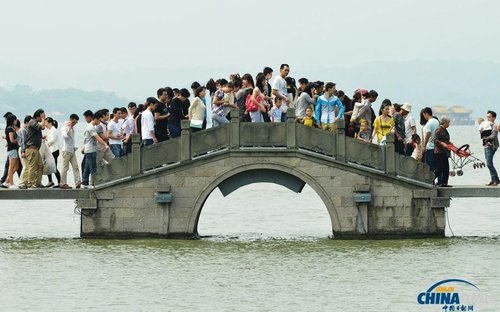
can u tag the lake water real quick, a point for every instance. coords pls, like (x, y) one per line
(276, 256)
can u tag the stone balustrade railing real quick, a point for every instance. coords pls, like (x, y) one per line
(282, 136)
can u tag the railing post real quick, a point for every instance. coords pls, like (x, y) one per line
(291, 129)
(185, 140)
(390, 155)
(234, 129)
(341, 140)
(136, 156)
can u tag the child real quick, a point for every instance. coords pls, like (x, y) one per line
(308, 120)
(364, 133)
(417, 145)
(276, 110)
(228, 98)
(485, 129)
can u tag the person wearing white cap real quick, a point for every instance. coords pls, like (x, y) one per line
(410, 127)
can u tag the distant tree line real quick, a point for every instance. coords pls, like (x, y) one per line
(23, 100)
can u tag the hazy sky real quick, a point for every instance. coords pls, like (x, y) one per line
(58, 42)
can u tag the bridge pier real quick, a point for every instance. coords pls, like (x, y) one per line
(387, 209)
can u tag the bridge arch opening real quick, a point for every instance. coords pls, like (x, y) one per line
(276, 201)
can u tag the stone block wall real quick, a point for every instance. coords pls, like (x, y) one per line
(397, 209)
(127, 210)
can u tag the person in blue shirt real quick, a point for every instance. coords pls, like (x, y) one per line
(326, 105)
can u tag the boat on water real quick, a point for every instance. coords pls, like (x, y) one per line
(458, 115)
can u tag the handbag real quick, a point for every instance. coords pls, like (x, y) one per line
(49, 163)
(250, 105)
(196, 123)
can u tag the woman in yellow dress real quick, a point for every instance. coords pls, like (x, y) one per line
(383, 124)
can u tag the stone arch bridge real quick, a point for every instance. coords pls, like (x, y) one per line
(160, 190)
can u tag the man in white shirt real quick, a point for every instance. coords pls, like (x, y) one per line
(429, 130)
(128, 127)
(68, 153)
(148, 123)
(115, 132)
(279, 89)
(90, 140)
(104, 154)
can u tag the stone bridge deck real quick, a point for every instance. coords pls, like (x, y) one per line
(469, 191)
(40, 194)
(47, 194)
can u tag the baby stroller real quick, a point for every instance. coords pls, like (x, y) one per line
(462, 156)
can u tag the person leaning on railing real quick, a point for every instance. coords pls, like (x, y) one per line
(178, 113)
(325, 108)
(196, 111)
(441, 152)
(399, 129)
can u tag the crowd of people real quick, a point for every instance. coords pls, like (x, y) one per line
(317, 104)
